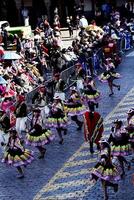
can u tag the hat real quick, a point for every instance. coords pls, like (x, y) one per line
(57, 98)
(57, 74)
(36, 110)
(13, 129)
(117, 121)
(108, 59)
(114, 37)
(73, 88)
(103, 141)
(78, 64)
(131, 111)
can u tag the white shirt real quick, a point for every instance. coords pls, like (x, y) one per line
(83, 23)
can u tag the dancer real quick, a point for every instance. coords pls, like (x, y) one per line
(37, 136)
(130, 128)
(93, 128)
(90, 93)
(15, 154)
(57, 118)
(105, 170)
(109, 75)
(120, 145)
(74, 107)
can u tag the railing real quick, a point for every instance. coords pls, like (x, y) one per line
(95, 64)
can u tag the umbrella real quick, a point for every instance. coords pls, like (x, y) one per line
(9, 55)
(10, 93)
(2, 81)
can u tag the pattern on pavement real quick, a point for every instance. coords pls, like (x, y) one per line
(72, 180)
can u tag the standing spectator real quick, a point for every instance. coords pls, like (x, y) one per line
(70, 25)
(83, 23)
(25, 16)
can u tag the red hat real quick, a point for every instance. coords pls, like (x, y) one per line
(21, 98)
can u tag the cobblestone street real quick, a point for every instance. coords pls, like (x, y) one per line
(65, 171)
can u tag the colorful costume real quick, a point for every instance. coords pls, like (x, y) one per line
(74, 105)
(130, 129)
(57, 118)
(38, 136)
(15, 154)
(93, 126)
(90, 92)
(120, 142)
(105, 169)
(109, 75)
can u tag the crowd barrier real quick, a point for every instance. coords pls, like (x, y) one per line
(94, 64)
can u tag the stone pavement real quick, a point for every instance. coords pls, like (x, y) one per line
(64, 173)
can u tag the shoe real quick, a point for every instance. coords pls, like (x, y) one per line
(20, 176)
(111, 94)
(115, 187)
(119, 87)
(61, 141)
(80, 126)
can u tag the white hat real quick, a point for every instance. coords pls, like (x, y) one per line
(73, 88)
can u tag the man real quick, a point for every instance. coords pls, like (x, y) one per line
(93, 128)
(57, 86)
(83, 23)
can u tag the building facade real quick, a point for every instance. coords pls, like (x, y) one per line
(11, 10)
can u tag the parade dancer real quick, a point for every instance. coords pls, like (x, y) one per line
(37, 136)
(130, 128)
(90, 94)
(105, 170)
(15, 154)
(108, 76)
(74, 107)
(57, 118)
(93, 128)
(120, 147)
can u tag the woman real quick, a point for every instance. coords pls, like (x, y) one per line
(38, 136)
(91, 94)
(21, 115)
(57, 118)
(105, 170)
(109, 75)
(120, 146)
(15, 154)
(130, 128)
(4, 121)
(74, 107)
